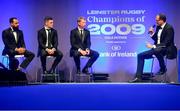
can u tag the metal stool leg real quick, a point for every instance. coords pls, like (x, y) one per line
(152, 65)
(177, 65)
(56, 75)
(42, 77)
(70, 75)
(5, 61)
(91, 74)
(165, 78)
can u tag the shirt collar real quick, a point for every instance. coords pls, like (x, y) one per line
(12, 29)
(163, 25)
(80, 28)
(46, 28)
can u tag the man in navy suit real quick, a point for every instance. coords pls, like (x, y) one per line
(163, 42)
(14, 43)
(80, 46)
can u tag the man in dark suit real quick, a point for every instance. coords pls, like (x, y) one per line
(14, 43)
(80, 46)
(48, 43)
(163, 42)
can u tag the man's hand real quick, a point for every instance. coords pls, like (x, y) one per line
(149, 45)
(50, 51)
(151, 31)
(17, 49)
(83, 52)
(88, 51)
(20, 50)
(53, 50)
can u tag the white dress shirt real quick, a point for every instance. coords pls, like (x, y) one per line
(15, 34)
(159, 35)
(46, 29)
(79, 29)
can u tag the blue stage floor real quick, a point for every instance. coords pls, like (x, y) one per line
(91, 96)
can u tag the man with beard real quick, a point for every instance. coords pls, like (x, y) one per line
(14, 43)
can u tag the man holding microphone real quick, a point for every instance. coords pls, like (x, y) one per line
(163, 38)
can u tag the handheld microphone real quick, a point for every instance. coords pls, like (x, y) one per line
(152, 27)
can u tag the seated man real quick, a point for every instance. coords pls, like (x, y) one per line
(14, 43)
(163, 42)
(80, 46)
(48, 45)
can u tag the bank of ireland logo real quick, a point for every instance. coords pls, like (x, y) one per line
(116, 47)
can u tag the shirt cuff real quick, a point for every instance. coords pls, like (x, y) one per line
(154, 46)
(53, 49)
(79, 49)
(46, 49)
(151, 35)
(15, 49)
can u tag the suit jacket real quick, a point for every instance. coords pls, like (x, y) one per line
(166, 40)
(77, 42)
(9, 40)
(42, 38)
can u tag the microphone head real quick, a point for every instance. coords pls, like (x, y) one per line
(152, 27)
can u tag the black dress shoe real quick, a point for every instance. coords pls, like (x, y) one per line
(78, 71)
(136, 79)
(45, 72)
(161, 72)
(85, 71)
(51, 71)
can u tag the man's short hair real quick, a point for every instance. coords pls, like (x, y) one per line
(80, 18)
(162, 17)
(11, 19)
(47, 18)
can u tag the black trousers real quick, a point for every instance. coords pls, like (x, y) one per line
(58, 54)
(93, 57)
(158, 52)
(27, 54)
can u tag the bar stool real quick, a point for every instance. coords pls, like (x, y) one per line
(42, 75)
(84, 77)
(5, 59)
(166, 63)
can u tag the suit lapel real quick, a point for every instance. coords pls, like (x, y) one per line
(44, 34)
(18, 36)
(79, 35)
(51, 35)
(84, 35)
(163, 31)
(12, 35)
